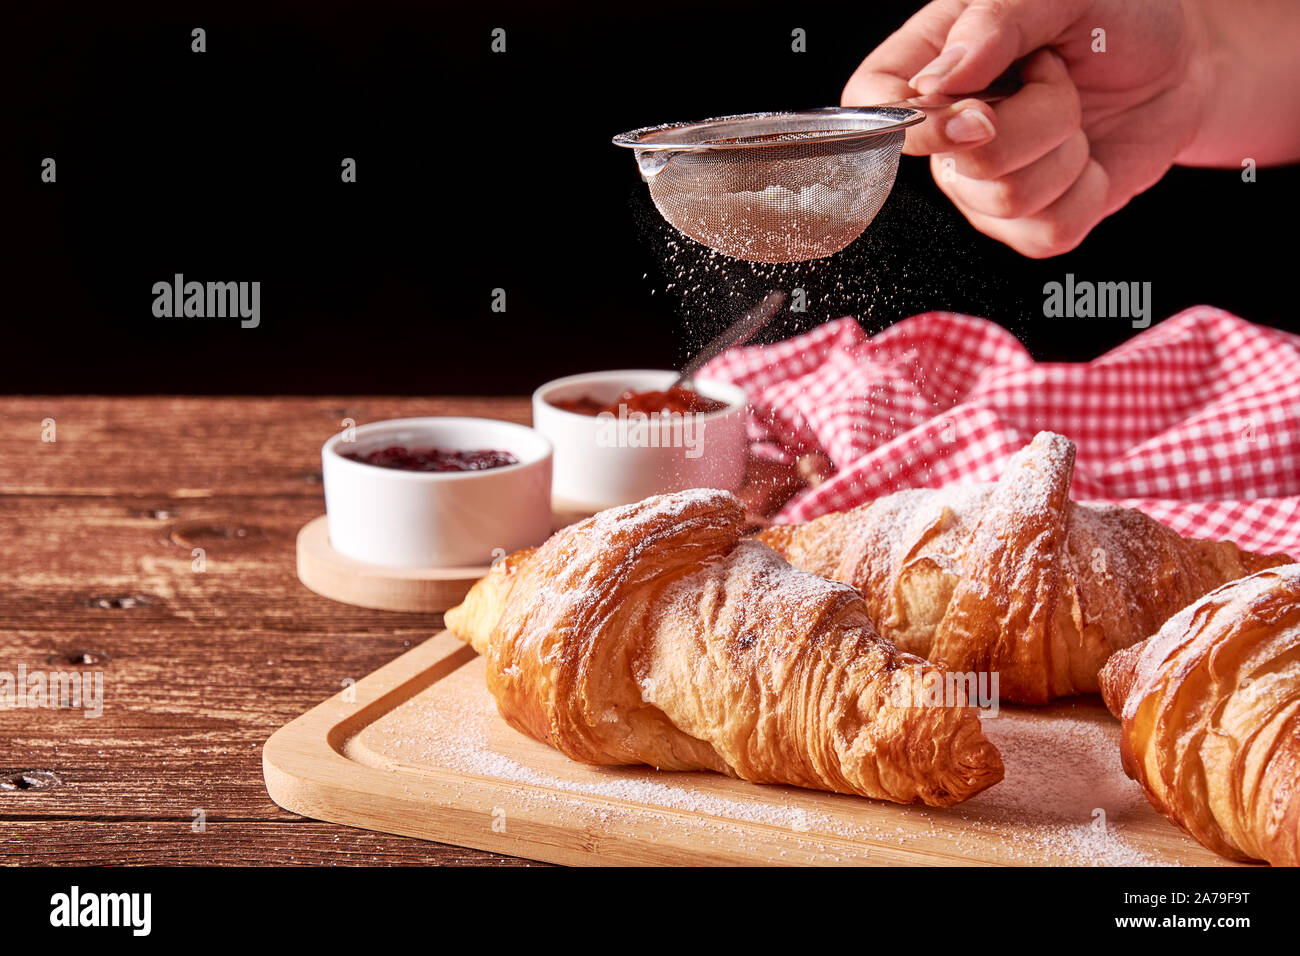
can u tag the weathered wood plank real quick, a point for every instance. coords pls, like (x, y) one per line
(185, 711)
(193, 447)
(88, 563)
(199, 666)
(141, 843)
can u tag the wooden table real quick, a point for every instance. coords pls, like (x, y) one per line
(100, 573)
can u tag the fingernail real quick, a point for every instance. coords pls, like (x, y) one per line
(969, 126)
(931, 76)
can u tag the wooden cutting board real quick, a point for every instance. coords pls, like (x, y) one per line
(417, 748)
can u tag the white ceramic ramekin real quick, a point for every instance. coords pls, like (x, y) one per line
(421, 519)
(600, 464)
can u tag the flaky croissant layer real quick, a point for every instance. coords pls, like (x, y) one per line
(1013, 577)
(1210, 708)
(653, 634)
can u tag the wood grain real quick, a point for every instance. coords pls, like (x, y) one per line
(345, 579)
(199, 666)
(418, 748)
(244, 843)
(194, 447)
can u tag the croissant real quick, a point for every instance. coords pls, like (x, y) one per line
(1211, 717)
(1012, 577)
(654, 634)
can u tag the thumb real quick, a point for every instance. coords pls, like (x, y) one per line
(988, 37)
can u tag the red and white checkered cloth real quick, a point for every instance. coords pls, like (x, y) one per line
(1195, 421)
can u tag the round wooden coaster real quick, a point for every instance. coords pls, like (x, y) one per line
(340, 578)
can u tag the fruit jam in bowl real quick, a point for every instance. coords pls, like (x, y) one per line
(626, 434)
(436, 492)
(434, 459)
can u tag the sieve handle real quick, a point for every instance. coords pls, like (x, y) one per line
(737, 333)
(990, 94)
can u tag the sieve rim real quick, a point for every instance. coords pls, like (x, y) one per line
(897, 118)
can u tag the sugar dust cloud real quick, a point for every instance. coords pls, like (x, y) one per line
(908, 260)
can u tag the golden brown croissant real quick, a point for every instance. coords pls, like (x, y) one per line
(1211, 717)
(1013, 578)
(654, 634)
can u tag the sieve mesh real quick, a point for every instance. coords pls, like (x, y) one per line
(781, 187)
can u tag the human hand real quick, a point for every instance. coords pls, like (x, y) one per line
(1087, 130)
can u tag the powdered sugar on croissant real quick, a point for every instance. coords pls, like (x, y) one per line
(653, 634)
(1013, 577)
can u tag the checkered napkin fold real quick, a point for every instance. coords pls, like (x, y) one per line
(1195, 421)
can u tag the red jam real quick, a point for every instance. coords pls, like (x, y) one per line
(676, 399)
(435, 459)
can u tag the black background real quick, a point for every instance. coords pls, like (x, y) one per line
(479, 171)
(234, 905)
(229, 906)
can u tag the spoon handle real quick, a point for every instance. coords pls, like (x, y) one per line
(736, 333)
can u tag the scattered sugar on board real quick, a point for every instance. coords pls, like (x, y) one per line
(1060, 772)
(1065, 791)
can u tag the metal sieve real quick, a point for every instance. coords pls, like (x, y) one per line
(774, 187)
